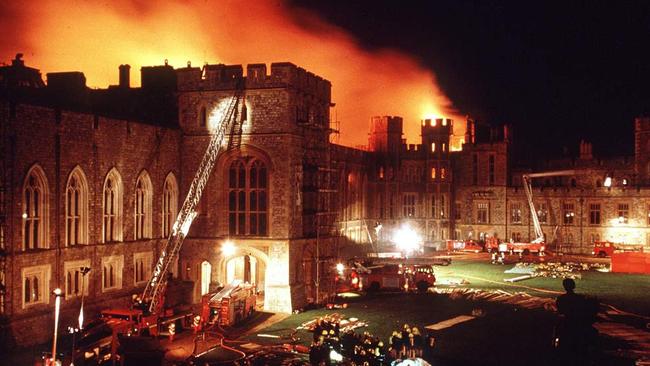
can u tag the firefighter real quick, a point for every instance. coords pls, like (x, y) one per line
(172, 331)
(196, 324)
(417, 342)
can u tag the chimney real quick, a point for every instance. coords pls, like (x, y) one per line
(125, 76)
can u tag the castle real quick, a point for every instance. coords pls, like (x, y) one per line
(94, 178)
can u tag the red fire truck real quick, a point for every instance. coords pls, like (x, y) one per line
(394, 277)
(606, 248)
(464, 246)
(234, 303)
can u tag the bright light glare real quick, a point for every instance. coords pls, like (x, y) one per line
(608, 182)
(340, 267)
(407, 240)
(335, 356)
(228, 248)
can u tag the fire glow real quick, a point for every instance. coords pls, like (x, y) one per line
(96, 37)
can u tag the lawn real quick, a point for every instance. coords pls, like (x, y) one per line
(627, 292)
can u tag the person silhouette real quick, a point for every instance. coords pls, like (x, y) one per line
(575, 334)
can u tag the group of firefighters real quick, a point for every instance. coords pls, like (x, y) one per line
(366, 349)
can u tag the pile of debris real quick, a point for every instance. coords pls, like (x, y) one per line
(555, 269)
(345, 324)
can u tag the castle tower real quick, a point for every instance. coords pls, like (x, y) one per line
(385, 134)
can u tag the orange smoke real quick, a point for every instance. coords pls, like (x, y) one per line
(96, 37)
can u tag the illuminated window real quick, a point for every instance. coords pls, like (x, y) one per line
(594, 214)
(112, 272)
(35, 203)
(142, 267)
(433, 147)
(112, 207)
(482, 212)
(143, 206)
(444, 122)
(247, 197)
(408, 207)
(443, 173)
(444, 147)
(568, 213)
(74, 278)
(542, 213)
(433, 173)
(515, 212)
(76, 209)
(623, 212)
(36, 285)
(381, 172)
(169, 204)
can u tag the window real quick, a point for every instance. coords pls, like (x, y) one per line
(491, 170)
(409, 205)
(623, 212)
(457, 208)
(516, 237)
(568, 213)
(433, 205)
(36, 285)
(433, 173)
(169, 204)
(594, 214)
(433, 147)
(74, 278)
(35, 207)
(482, 212)
(443, 173)
(381, 172)
(443, 206)
(515, 213)
(143, 197)
(112, 272)
(542, 213)
(142, 267)
(475, 169)
(76, 209)
(112, 208)
(247, 197)
(444, 147)
(203, 117)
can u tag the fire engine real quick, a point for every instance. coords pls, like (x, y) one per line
(464, 246)
(394, 277)
(234, 303)
(607, 248)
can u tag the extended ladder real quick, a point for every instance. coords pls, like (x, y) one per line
(155, 291)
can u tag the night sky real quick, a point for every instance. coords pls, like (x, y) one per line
(556, 71)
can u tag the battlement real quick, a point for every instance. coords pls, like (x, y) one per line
(224, 77)
(438, 125)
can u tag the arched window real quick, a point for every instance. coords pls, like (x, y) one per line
(248, 197)
(143, 197)
(169, 204)
(76, 209)
(35, 204)
(112, 208)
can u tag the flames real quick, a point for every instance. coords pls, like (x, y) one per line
(96, 37)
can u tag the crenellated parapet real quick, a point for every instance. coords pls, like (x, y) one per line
(224, 77)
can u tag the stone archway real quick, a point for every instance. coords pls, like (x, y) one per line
(247, 264)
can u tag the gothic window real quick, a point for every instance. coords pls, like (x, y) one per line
(457, 209)
(112, 208)
(143, 197)
(433, 206)
(35, 282)
(623, 212)
(35, 207)
(594, 214)
(142, 267)
(248, 197)
(76, 209)
(443, 206)
(409, 205)
(491, 170)
(169, 204)
(515, 213)
(542, 213)
(203, 117)
(74, 278)
(112, 272)
(568, 213)
(482, 212)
